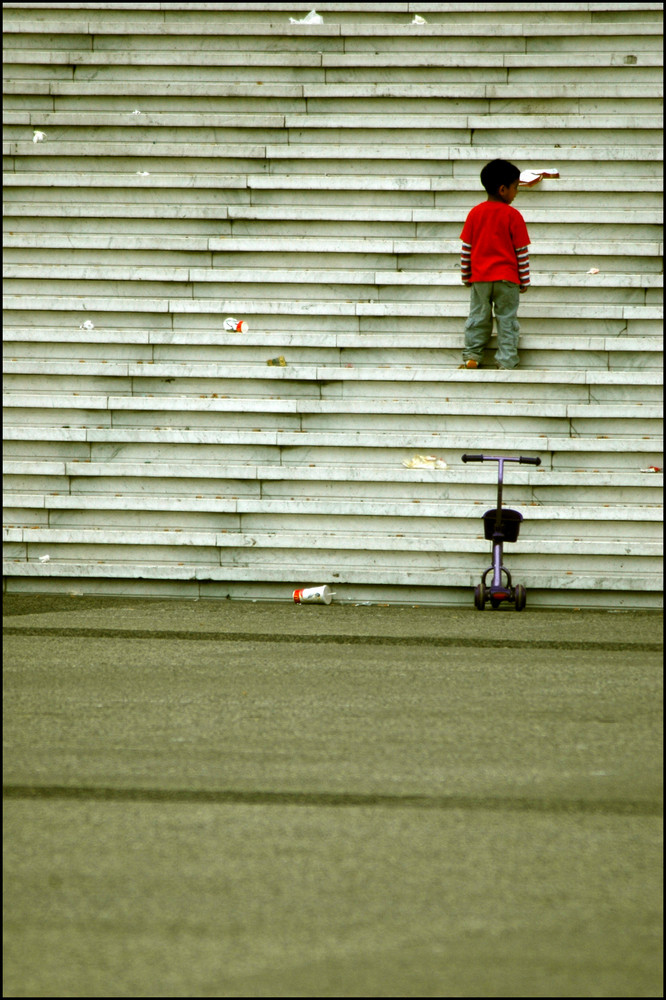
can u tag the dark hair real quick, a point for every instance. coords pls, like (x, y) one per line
(498, 172)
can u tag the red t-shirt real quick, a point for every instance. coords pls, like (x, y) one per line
(495, 230)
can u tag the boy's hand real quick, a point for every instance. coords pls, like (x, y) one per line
(524, 288)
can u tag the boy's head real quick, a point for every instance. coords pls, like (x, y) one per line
(497, 174)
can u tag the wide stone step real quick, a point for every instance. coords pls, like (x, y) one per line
(333, 507)
(340, 20)
(334, 540)
(122, 343)
(560, 437)
(328, 276)
(517, 89)
(323, 373)
(412, 306)
(285, 146)
(44, 407)
(477, 480)
(638, 124)
(292, 575)
(596, 217)
(581, 188)
(320, 244)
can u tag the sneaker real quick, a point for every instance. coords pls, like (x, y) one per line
(471, 363)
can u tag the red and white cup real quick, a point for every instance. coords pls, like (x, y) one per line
(232, 325)
(314, 595)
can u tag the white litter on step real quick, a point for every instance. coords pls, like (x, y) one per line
(425, 462)
(593, 270)
(38, 136)
(312, 18)
(136, 112)
(235, 325)
(528, 178)
(314, 595)
(419, 20)
(143, 173)
(44, 558)
(652, 468)
(88, 325)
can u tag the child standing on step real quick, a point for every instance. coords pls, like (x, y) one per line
(495, 263)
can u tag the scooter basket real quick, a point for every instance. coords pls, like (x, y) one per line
(509, 523)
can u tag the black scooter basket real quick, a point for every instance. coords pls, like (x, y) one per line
(509, 523)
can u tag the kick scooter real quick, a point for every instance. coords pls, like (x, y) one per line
(500, 525)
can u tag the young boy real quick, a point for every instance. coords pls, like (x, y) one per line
(495, 264)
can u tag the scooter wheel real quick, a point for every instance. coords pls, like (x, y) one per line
(479, 598)
(521, 597)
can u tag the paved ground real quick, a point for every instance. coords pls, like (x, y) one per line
(212, 799)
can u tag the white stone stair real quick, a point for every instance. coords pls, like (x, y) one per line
(202, 161)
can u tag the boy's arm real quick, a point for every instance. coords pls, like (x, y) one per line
(523, 268)
(466, 263)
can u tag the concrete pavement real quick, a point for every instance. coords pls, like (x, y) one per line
(239, 799)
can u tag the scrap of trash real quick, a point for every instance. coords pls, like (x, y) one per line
(425, 462)
(593, 270)
(528, 178)
(652, 468)
(235, 325)
(88, 325)
(143, 173)
(419, 20)
(44, 558)
(38, 136)
(277, 362)
(314, 595)
(312, 18)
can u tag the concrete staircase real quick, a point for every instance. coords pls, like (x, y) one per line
(210, 160)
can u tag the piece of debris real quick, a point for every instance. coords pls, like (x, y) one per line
(419, 20)
(235, 325)
(593, 270)
(38, 136)
(314, 595)
(528, 178)
(425, 462)
(312, 18)
(143, 173)
(277, 362)
(136, 112)
(44, 558)
(652, 468)
(88, 325)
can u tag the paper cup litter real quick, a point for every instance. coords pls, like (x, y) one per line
(314, 595)
(235, 325)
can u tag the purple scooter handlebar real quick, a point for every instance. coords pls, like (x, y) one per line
(496, 458)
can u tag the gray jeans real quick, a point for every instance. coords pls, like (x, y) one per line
(504, 296)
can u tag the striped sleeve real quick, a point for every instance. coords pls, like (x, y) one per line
(466, 262)
(523, 266)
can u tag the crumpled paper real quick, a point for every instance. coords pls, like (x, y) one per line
(312, 18)
(419, 20)
(425, 462)
(528, 178)
(38, 136)
(88, 325)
